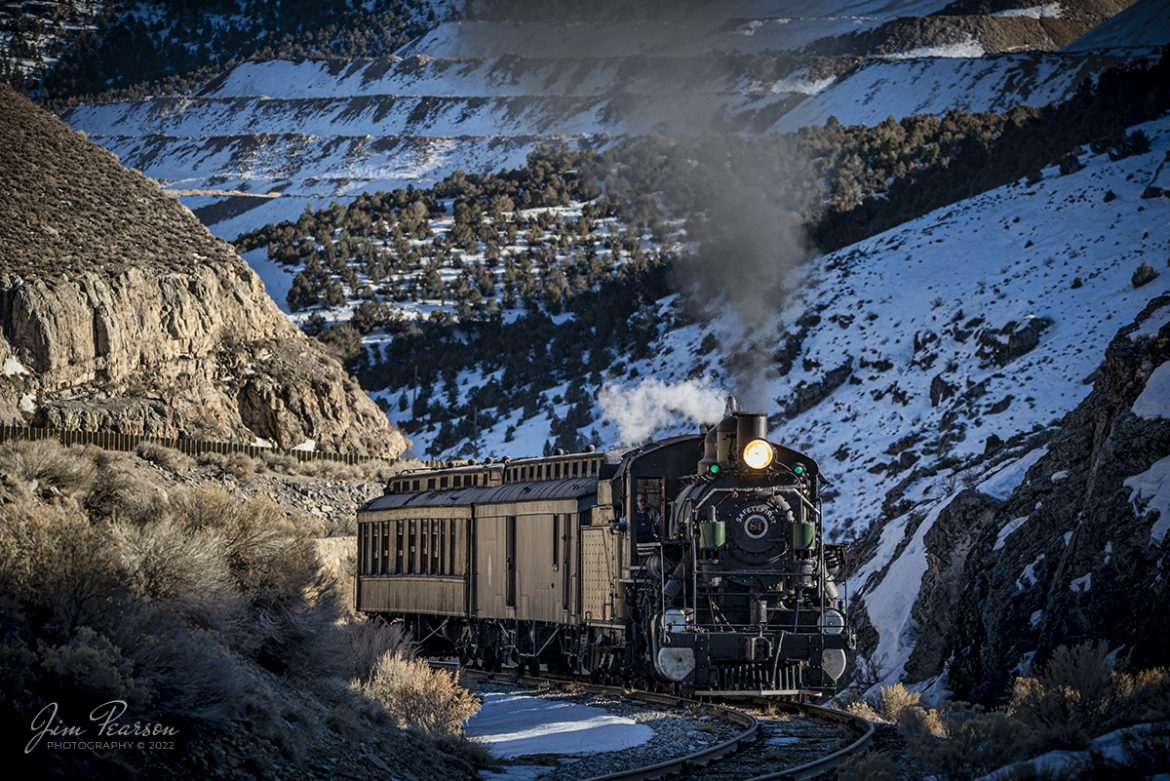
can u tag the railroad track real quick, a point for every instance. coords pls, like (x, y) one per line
(778, 740)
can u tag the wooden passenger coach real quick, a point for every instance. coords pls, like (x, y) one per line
(527, 545)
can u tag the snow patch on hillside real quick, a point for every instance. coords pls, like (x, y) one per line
(1154, 401)
(1150, 493)
(899, 87)
(967, 48)
(1008, 478)
(1048, 10)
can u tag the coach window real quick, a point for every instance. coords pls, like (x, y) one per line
(371, 549)
(410, 546)
(425, 547)
(451, 548)
(384, 533)
(436, 558)
(556, 541)
(364, 547)
(399, 549)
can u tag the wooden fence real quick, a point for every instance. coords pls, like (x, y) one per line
(110, 440)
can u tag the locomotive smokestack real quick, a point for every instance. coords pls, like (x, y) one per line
(749, 426)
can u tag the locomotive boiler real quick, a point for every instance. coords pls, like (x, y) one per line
(540, 562)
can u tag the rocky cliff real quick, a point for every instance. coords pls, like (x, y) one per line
(1079, 550)
(120, 312)
(1076, 550)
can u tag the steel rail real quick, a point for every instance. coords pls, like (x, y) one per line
(657, 770)
(706, 756)
(818, 767)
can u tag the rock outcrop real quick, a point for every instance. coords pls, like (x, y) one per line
(120, 312)
(1078, 550)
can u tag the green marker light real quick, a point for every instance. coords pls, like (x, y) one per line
(798, 470)
(713, 469)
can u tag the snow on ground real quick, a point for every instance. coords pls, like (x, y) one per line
(479, 97)
(516, 725)
(888, 604)
(1154, 401)
(1150, 493)
(967, 48)
(899, 87)
(1007, 479)
(277, 278)
(1048, 10)
(1008, 529)
(13, 367)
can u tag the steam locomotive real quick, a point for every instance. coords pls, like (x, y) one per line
(539, 561)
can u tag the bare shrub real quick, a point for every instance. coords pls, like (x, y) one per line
(160, 455)
(45, 461)
(211, 458)
(1069, 698)
(337, 470)
(274, 568)
(120, 490)
(864, 710)
(168, 564)
(976, 743)
(895, 699)
(89, 662)
(278, 462)
(240, 465)
(872, 766)
(381, 471)
(370, 640)
(920, 724)
(420, 697)
(1140, 697)
(470, 752)
(57, 564)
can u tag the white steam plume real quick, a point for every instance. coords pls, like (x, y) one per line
(639, 412)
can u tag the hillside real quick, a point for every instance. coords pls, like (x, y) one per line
(1144, 25)
(61, 49)
(277, 134)
(120, 312)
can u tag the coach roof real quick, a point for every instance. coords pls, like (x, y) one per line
(532, 491)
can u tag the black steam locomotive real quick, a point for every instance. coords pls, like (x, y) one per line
(729, 589)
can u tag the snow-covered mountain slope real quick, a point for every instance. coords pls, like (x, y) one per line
(1015, 295)
(1143, 26)
(899, 88)
(926, 360)
(480, 95)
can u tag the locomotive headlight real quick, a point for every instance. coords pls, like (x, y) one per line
(758, 454)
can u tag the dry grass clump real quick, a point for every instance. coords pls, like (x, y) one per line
(50, 466)
(241, 465)
(166, 457)
(202, 611)
(369, 641)
(419, 696)
(897, 699)
(1074, 698)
